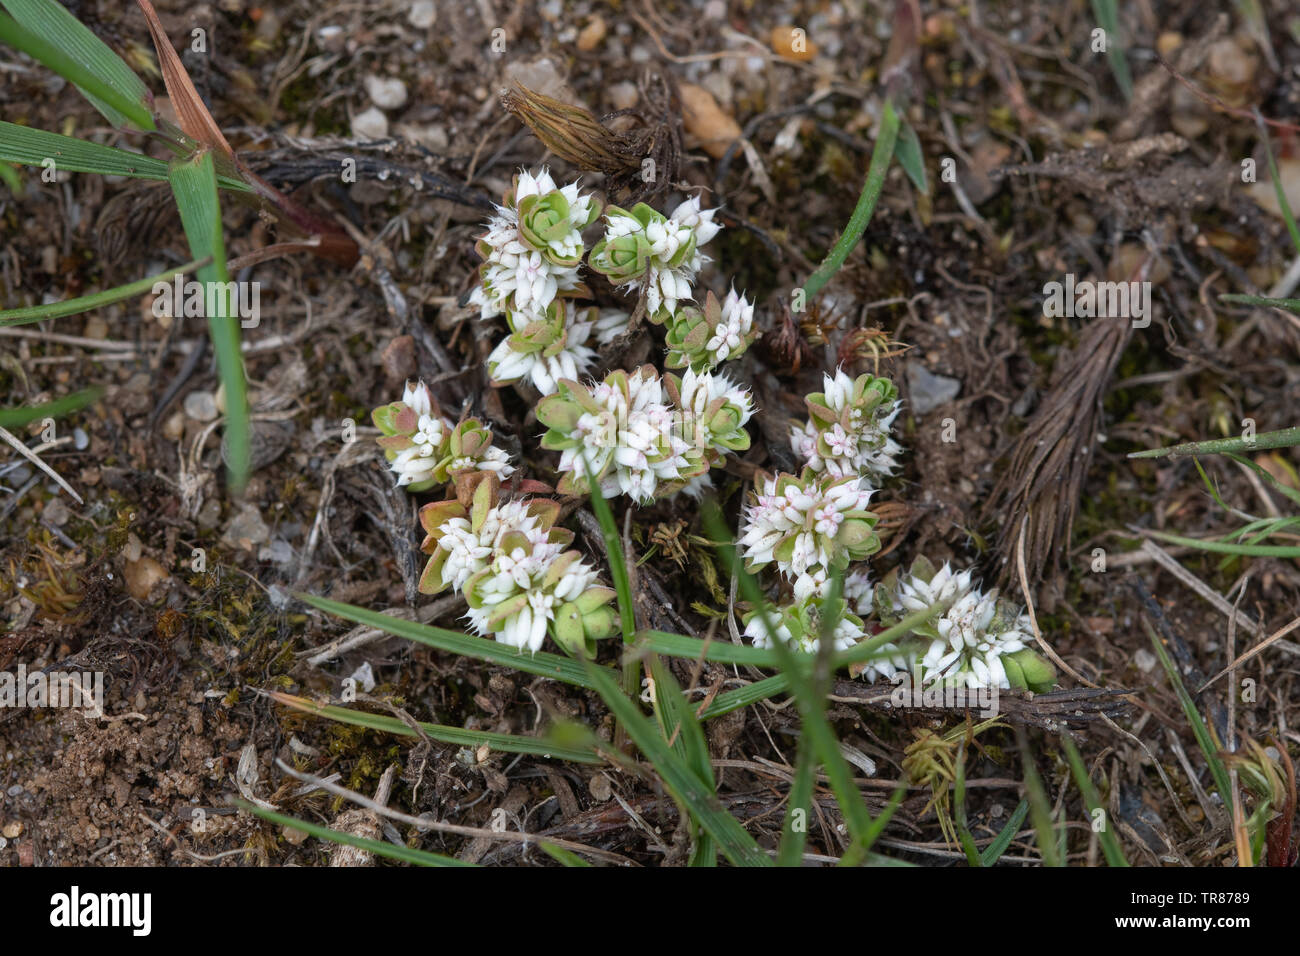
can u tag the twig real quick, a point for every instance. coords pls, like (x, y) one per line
(1166, 561)
(36, 460)
(1029, 607)
(424, 823)
(1275, 636)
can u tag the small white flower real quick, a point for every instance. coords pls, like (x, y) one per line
(522, 573)
(713, 411)
(973, 633)
(737, 322)
(523, 274)
(807, 525)
(619, 432)
(915, 594)
(848, 428)
(667, 252)
(566, 356)
(469, 552)
(413, 464)
(799, 626)
(860, 591)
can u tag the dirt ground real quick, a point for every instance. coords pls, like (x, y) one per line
(1056, 174)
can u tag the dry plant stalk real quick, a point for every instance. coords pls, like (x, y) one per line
(1050, 459)
(639, 162)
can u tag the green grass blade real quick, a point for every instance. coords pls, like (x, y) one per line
(881, 155)
(959, 811)
(561, 855)
(1040, 807)
(47, 32)
(31, 147)
(743, 697)
(1290, 305)
(1279, 189)
(564, 669)
(1282, 438)
(679, 725)
(622, 586)
(18, 417)
(691, 648)
(1109, 845)
(1220, 547)
(993, 852)
(194, 184)
(679, 645)
(793, 839)
(1265, 474)
(378, 847)
(810, 704)
(733, 839)
(1107, 16)
(57, 310)
(910, 156)
(506, 743)
(617, 564)
(1222, 782)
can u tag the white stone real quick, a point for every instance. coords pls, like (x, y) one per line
(201, 406)
(372, 124)
(388, 93)
(422, 14)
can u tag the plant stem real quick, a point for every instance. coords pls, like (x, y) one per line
(880, 159)
(1283, 438)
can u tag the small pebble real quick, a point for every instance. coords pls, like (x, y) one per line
(210, 513)
(174, 427)
(332, 37)
(707, 121)
(792, 43)
(388, 93)
(422, 15)
(247, 530)
(927, 391)
(143, 576)
(201, 406)
(57, 513)
(622, 96)
(371, 124)
(80, 440)
(592, 34)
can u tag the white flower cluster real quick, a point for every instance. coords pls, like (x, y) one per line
(660, 255)
(617, 433)
(523, 271)
(510, 561)
(808, 526)
(848, 428)
(531, 273)
(553, 346)
(889, 659)
(424, 449)
(532, 255)
(847, 632)
(973, 636)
